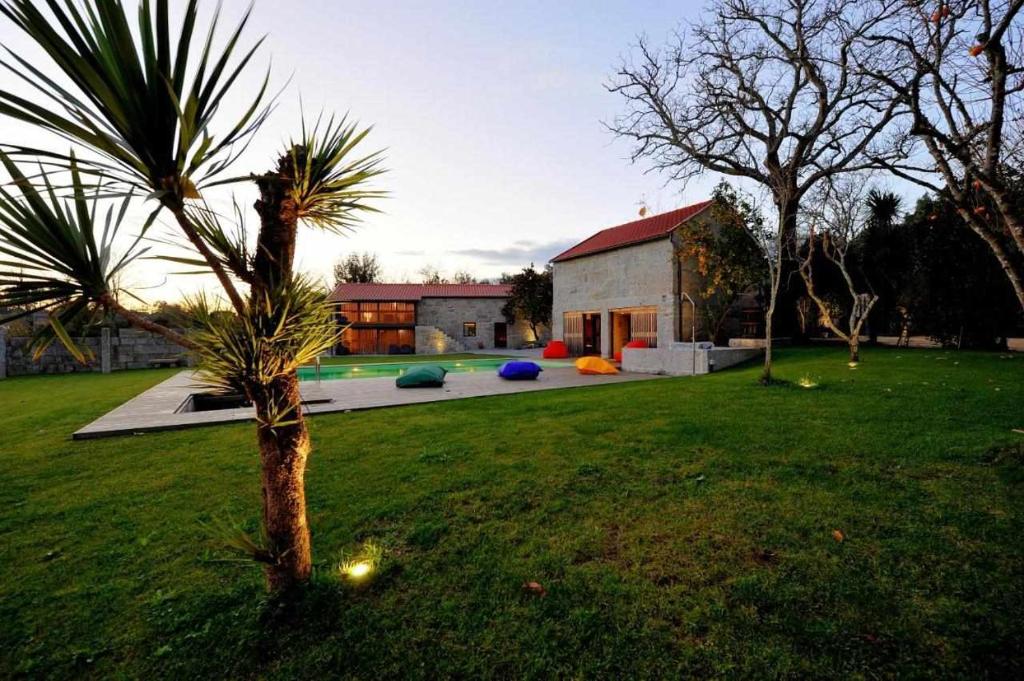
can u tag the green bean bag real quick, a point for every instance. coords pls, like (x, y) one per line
(428, 376)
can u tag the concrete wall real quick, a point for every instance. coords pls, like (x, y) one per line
(449, 314)
(634, 276)
(683, 360)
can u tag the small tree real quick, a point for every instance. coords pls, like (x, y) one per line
(464, 277)
(725, 253)
(142, 105)
(530, 299)
(835, 218)
(884, 259)
(357, 268)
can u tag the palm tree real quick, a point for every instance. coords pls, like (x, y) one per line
(141, 110)
(883, 208)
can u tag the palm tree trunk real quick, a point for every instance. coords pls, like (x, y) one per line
(282, 434)
(283, 453)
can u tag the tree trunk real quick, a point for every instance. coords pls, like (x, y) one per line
(786, 237)
(766, 373)
(281, 431)
(1004, 260)
(855, 348)
(283, 453)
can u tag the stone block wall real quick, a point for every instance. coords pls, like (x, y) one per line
(127, 349)
(634, 276)
(431, 340)
(449, 315)
(135, 349)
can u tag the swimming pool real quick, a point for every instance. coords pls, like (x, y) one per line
(331, 372)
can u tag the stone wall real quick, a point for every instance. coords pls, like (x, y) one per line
(127, 349)
(449, 315)
(431, 340)
(634, 276)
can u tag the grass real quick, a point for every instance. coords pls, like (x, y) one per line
(390, 359)
(682, 527)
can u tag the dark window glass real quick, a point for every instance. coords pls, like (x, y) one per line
(469, 329)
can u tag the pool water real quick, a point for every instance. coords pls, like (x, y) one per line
(330, 372)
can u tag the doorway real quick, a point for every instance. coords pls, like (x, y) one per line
(500, 334)
(592, 334)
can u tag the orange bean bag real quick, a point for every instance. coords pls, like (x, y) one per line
(556, 349)
(631, 344)
(595, 366)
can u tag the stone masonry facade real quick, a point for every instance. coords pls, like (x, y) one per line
(448, 315)
(639, 276)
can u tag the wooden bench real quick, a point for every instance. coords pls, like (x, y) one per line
(166, 362)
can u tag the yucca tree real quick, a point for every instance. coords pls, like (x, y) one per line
(140, 107)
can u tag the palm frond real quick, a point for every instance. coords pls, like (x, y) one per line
(329, 178)
(286, 328)
(227, 242)
(57, 254)
(134, 99)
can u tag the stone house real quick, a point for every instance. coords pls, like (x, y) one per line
(426, 318)
(628, 283)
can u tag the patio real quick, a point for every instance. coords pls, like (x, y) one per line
(159, 407)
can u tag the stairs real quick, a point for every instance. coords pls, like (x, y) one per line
(432, 340)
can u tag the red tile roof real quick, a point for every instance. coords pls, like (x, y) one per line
(413, 292)
(648, 229)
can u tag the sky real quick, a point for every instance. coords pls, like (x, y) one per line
(490, 115)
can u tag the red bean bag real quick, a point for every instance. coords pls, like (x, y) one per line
(556, 349)
(631, 344)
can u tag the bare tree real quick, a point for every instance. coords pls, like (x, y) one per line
(835, 218)
(430, 274)
(777, 93)
(962, 82)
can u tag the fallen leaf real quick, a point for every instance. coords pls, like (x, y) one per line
(837, 535)
(535, 588)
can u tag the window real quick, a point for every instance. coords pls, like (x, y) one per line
(469, 329)
(378, 313)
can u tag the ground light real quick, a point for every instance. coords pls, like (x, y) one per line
(852, 365)
(362, 565)
(358, 570)
(807, 382)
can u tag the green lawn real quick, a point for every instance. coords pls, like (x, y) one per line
(388, 359)
(680, 527)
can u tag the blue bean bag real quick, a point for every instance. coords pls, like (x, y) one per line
(519, 371)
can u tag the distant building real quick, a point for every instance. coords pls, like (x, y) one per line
(425, 318)
(627, 283)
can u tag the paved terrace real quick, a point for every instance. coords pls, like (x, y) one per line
(157, 408)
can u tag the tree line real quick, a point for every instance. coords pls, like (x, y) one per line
(789, 97)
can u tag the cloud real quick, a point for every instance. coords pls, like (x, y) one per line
(519, 253)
